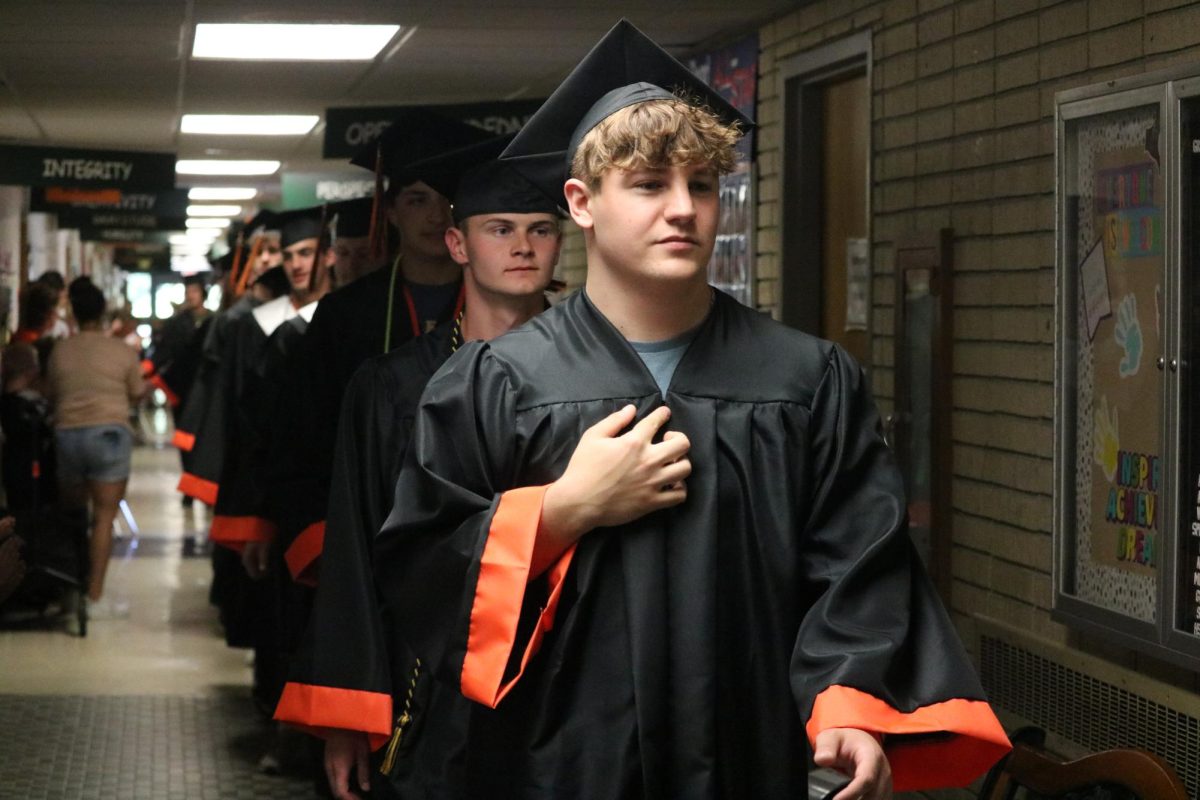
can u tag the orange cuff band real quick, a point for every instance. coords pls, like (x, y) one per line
(302, 555)
(236, 531)
(975, 742)
(202, 490)
(316, 708)
(500, 592)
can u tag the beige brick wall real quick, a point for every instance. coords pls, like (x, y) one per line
(962, 107)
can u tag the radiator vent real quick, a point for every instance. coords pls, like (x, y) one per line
(1089, 712)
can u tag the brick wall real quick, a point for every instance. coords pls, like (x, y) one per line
(962, 105)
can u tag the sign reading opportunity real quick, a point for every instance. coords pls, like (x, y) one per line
(349, 129)
(23, 165)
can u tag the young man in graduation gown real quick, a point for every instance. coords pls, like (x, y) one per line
(351, 243)
(262, 342)
(418, 290)
(200, 432)
(506, 237)
(775, 599)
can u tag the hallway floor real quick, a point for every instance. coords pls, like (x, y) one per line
(153, 705)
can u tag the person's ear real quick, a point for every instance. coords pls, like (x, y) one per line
(456, 243)
(579, 202)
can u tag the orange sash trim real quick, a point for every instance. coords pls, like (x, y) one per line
(202, 490)
(147, 368)
(315, 709)
(236, 531)
(158, 383)
(499, 593)
(302, 555)
(183, 440)
(977, 742)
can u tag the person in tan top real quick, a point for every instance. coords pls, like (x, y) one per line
(91, 381)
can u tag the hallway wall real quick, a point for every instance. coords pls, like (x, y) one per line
(963, 137)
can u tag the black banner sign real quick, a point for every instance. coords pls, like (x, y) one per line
(348, 129)
(55, 199)
(22, 165)
(124, 235)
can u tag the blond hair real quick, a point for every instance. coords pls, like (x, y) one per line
(656, 133)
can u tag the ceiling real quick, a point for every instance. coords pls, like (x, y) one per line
(117, 74)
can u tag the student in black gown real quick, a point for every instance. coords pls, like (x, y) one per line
(506, 237)
(774, 603)
(420, 288)
(200, 432)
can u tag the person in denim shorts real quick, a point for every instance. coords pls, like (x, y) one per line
(92, 380)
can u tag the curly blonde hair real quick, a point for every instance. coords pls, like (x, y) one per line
(656, 133)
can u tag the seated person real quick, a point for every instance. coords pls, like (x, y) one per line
(27, 462)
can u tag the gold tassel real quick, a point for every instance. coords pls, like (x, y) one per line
(402, 723)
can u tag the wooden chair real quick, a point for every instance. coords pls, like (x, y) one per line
(1028, 773)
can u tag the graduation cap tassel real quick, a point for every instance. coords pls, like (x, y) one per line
(237, 259)
(378, 234)
(244, 278)
(322, 245)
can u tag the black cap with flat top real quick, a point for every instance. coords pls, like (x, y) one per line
(298, 225)
(623, 68)
(477, 183)
(352, 218)
(414, 136)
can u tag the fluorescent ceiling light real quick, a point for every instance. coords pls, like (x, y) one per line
(222, 193)
(278, 42)
(214, 211)
(195, 236)
(207, 222)
(215, 166)
(249, 124)
(189, 263)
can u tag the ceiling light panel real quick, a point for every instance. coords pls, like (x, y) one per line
(249, 124)
(214, 211)
(283, 42)
(222, 193)
(225, 167)
(206, 222)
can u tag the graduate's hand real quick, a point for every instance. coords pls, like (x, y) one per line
(255, 558)
(346, 752)
(614, 478)
(857, 754)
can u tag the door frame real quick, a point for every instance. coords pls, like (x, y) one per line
(802, 76)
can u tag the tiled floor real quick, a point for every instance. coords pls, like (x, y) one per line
(150, 706)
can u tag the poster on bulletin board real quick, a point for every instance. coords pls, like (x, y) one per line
(1121, 278)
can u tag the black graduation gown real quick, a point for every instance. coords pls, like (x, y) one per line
(350, 325)
(350, 649)
(201, 430)
(260, 342)
(686, 653)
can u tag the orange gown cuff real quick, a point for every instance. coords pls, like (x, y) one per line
(158, 383)
(975, 742)
(302, 555)
(315, 709)
(183, 440)
(500, 592)
(234, 532)
(199, 488)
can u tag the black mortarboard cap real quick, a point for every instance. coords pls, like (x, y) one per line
(414, 135)
(623, 68)
(353, 217)
(264, 220)
(477, 183)
(300, 224)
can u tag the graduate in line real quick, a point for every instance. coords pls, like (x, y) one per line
(772, 605)
(421, 287)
